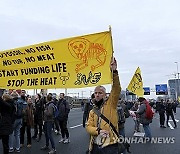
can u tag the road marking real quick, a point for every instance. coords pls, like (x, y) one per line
(175, 120)
(76, 126)
(170, 125)
(139, 134)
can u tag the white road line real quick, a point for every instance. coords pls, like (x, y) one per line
(138, 134)
(76, 126)
(175, 120)
(170, 125)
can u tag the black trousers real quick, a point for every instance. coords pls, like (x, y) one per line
(38, 130)
(63, 127)
(110, 149)
(5, 142)
(162, 118)
(56, 123)
(22, 132)
(172, 116)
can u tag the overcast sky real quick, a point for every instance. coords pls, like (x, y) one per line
(146, 33)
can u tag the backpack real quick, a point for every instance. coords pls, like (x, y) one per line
(19, 108)
(64, 109)
(149, 113)
(56, 111)
(121, 116)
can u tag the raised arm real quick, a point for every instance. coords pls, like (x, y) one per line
(116, 88)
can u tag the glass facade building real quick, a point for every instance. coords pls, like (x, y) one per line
(174, 88)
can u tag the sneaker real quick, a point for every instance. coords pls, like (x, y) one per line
(11, 150)
(52, 151)
(17, 151)
(29, 146)
(45, 148)
(66, 141)
(163, 126)
(62, 140)
(175, 126)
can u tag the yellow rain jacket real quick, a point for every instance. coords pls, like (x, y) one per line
(109, 109)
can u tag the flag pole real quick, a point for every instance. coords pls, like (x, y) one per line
(110, 31)
(111, 70)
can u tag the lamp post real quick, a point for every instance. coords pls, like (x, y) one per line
(82, 94)
(177, 82)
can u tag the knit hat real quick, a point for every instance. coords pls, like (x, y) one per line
(141, 99)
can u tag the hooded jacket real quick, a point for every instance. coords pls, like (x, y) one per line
(6, 116)
(109, 109)
(142, 114)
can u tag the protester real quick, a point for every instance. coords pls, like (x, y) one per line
(88, 107)
(121, 117)
(175, 104)
(48, 124)
(161, 110)
(14, 138)
(38, 117)
(122, 110)
(142, 117)
(82, 105)
(97, 127)
(56, 121)
(27, 123)
(64, 110)
(135, 116)
(7, 110)
(169, 112)
(20, 104)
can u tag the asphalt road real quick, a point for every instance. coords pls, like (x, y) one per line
(80, 139)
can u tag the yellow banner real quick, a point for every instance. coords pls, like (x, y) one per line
(136, 84)
(75, 62)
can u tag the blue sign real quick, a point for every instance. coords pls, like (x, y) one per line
(161, 89)
(146, 90)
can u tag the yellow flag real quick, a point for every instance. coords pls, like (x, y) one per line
(75, 62)
(179, 99)
(136, 84)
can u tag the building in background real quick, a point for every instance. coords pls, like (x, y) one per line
(174, 88)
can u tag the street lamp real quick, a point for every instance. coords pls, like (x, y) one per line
(177, 82)
(82, 94)
(177, 69)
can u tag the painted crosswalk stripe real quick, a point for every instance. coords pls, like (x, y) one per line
(175, 120)
(170, 125)
(75, 126)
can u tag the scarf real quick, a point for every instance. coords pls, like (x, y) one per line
(30, 114)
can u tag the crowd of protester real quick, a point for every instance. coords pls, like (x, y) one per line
(20, 113)
(104, 118)
(38, 114)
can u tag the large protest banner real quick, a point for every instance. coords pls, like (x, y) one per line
(136, 84)
(75, 62)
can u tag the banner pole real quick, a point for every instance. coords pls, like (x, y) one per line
(112, 49)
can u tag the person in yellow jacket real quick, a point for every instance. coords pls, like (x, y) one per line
(103, 140)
